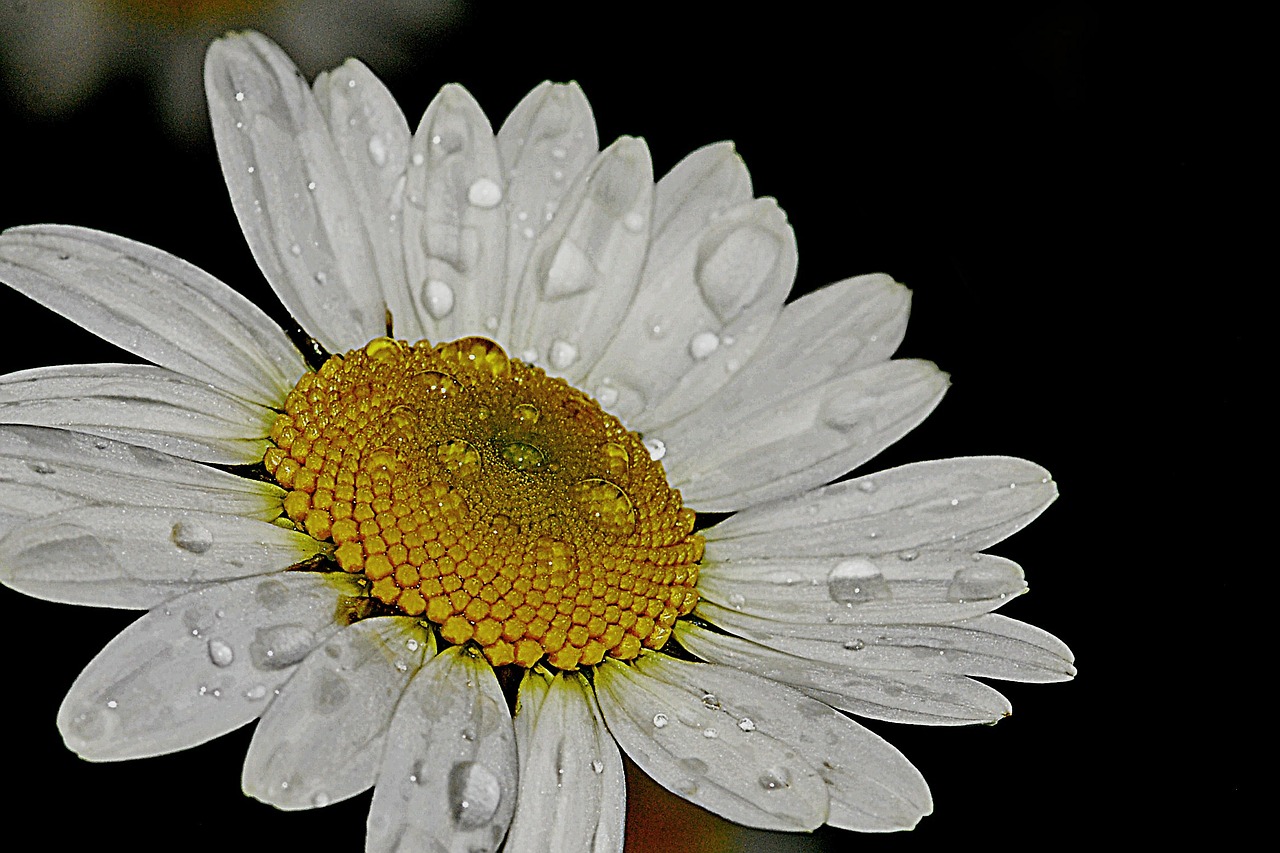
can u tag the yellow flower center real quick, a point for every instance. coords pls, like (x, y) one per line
(502, 504)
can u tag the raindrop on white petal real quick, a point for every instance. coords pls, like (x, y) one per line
(320, 800)
(703, 344)
(710, 734)
(856, 581)
(438, 297)
(747, 724)
(854, 645)
(775, 778)
(256, 692)
(484, 193)
(657, 448)
(412, 644)
(239, 96)
(281, 646)
(633, 221)
(474, 794)
(377, 151)
(597, 765)
(192, 536)
(295, 250)
(983, 582)
(563, 354)
(659, 721)
(220, 653)
(867, 486)
(736, 600)
(710, 702)
(311, 185)
(418, 159)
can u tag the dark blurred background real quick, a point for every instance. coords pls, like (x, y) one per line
(1032, 176)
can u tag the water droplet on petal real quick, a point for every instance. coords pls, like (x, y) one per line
(438, 297)
(731, 271)
(256, 692)
(984, 582)
(736, 600)
(239, 96)
(597, 766)
(854, 645)
(657, 448)
(694, 765)
(710, 702)
(320, 800)
(474, 794)
(866, 485)
(856, 581)
(775, 778)
(377, 151)
(633, 222)
(295, 250)
(703, 344)
(563, 354)
(747, 724)
(710, 734)
(659, 721)
(220, 653)
(281, 646)
(484, 193)
(192, 536)
(571, 271)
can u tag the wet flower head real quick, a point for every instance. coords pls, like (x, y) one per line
(502, 503)
(448, 550)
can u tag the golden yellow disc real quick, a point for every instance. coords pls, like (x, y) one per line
(499, 503)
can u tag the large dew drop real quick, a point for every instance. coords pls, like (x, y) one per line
(856, 581)
(474, 794)
(984, 582)
(280, 647)
(192, 536)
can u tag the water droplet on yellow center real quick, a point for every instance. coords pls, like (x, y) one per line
(499, 503)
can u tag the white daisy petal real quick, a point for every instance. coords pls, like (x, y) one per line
(923, 698)
(834, 331)
(572, 785)
(913, 587)
(871, 785)
(199, 666)
(663, 720)
(448, 778)
(963, 504)
(546, 142)
(49, 470)
(584, 270)
(321, 739)
(454, 218)
(141, 404)
(371, 138)
(138, 557)
(700, 188)
(699, 316)
(155, 306)
(291, 193)
(786, 442)
(988, 646)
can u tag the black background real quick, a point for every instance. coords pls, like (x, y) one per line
(1038, 179)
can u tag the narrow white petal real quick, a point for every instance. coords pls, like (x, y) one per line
(371, 138)
(871, 785)
(321, 740)
(786, 442)
(448, 778)
(199, 666)
(988, 646)
(700, 315)
(834, 331)
(546, 142)
(138, 557)
(141, 404)
(700, 188)
(924, 698)
(155, 306)
(584, 270)
(572, 786)
(291, 193)
(659, 714)
(965, 504)
(454, 219)
(908, 588)
(49, 470)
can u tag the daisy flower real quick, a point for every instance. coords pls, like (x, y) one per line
(442, 540)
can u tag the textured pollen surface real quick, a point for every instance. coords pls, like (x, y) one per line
(500, 503)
